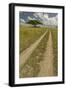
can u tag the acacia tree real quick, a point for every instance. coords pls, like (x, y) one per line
(34, 22)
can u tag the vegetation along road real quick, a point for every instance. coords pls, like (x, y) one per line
(38, 52)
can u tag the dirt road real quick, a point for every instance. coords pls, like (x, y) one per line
(26, 53)
(47, 63)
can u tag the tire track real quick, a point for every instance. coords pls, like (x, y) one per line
(26, 53)
(47, 63)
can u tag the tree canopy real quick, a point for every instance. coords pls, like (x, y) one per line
(34, 22)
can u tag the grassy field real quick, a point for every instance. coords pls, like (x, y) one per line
(55, 49)
(28, 35)
(31, 68)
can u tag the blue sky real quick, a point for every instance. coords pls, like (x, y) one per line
(45, 18)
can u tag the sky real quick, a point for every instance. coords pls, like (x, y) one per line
(45, 18)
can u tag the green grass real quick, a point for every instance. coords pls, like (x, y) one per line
(31, 68)
(28, 35)
(55, 50)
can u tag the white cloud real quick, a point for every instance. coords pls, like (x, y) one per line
(54, 20)
(22, 20)
(40, 15)
(30, 18)
(45, 16)
(46, 19)
(51, 20)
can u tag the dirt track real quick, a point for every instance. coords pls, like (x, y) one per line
(47, 63)
(26, 53)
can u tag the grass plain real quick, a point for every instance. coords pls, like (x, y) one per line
(29, 35)
(55, 49)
